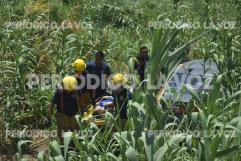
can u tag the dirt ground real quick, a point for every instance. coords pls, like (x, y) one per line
(40, 142)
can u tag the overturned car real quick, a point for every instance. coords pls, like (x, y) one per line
(196, 74)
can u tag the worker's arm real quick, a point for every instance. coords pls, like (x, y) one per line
(50, 110)
(50, 113)
(108, 71)
(93, 94)
(53, 103)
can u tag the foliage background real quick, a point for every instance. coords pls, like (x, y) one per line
(118, 28)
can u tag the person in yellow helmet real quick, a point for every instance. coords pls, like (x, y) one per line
(66, 101)
(79, 65)
(121, 96)
(119, 78)
(85, 95)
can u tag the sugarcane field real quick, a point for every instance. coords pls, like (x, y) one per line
(120, 80)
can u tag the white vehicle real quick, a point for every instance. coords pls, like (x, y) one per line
(197, 74)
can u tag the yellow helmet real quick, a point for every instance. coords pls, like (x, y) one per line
(119, 78)
(69, 83)
(79, 65)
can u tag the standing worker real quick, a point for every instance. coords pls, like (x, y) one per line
(102, 70)
(121, 97)
(84, 94)
(66, 101)
(142, 60)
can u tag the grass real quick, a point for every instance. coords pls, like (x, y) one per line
(119, 28)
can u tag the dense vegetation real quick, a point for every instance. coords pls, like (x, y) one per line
(119, 28)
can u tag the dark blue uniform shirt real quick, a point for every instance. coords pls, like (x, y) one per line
(70, 103)
(92, 68)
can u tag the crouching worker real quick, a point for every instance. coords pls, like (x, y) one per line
(121, 97)
(66, 101)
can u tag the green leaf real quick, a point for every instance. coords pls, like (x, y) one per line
(55, 149)
(40, 156)
(67, 139)
(225, 154)
(20, 144)
(131, 154)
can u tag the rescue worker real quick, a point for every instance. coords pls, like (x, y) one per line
(66, 101)
(121, 97)
(84, 94)
(142, 60)
(79, 67)
(102, 70)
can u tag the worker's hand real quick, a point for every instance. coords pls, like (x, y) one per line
(93, 102)
(49, 122)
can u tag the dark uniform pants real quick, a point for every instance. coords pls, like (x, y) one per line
(65, 124)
